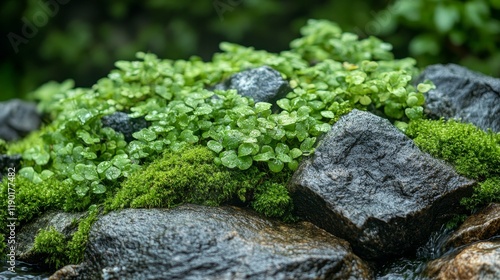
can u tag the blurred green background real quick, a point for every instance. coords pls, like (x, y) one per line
(61, 39)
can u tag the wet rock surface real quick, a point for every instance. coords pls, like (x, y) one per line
(17, 119)
(66, 272)
(199, 242)
(369, 184)
(61, 221)
(121, 122)
(463, 94)
(479, 261)
(481, 226)
(263, 84)
(9, 161)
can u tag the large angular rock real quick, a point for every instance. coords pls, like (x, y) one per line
(480, 261)
(18, 118)
(263, 84)
(121, 122)
(199, 242)
(463, 94)
(369, 184)
(481, 226)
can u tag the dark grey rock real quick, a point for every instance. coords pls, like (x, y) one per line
(9, 161)
(369, 184)
(199, 242)
(463, 94)
(18, 118)
(121, 122)
(65, 223)
(262, 84)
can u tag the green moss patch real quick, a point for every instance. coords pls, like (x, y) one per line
(57, 250)
(191, 177)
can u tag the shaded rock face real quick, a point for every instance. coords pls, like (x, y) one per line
(263, 84)
(63, 222)
(199, 242)
(369, 184)
(18, 118)
(463, 94)
(480, 226)
(480, 261)
(121, 122)
(9, 161)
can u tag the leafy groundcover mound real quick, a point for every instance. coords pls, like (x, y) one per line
(206, 146)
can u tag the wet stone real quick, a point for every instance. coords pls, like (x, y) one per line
(463, 94)
(121, 122)
(199, 242)
(369, 184)
(479, 261)
(262, 84)
(17, 119)
(481, 226)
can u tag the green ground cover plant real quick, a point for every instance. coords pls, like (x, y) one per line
(174, 97)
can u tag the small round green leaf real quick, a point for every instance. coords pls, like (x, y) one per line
(214, 146)
(229, 159)
(275, 165)
(103, 165)
(113, 173)
(98, 188)
(244, 162)
(262, 106)
(295, 153)
(246, 149)
(365, 100)
(293, 165)
(328, 114)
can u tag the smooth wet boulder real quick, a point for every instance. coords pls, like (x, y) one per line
(61, 221)
(17, 119)
(200, 242)
(463, 94)
(479, 261)
(369, 184)
(481, 226)
(121, 122)
(263, 84)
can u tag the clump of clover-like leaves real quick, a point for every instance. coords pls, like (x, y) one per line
(330, 73)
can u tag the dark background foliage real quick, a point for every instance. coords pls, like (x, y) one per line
(81, 40)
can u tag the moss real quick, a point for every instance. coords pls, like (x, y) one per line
(3, 245)
(76, 246)
(473, 152)
(272, 200)
(30, 199)
(189, 177)
(58, 251)
(485, 192)
(192, 177)
(3, 147)
(51, 244)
